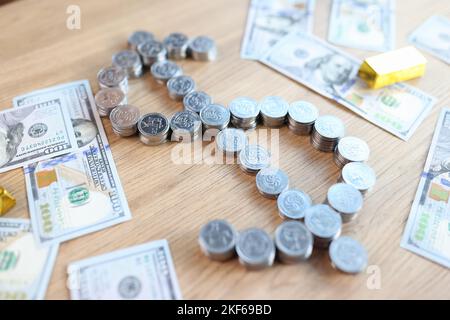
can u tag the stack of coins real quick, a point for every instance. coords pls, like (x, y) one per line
(351, 149)
(186, 126)
(130, 62)
(202, 48)
(348, 255)
(7, 201)
(151, 52)
(176, 44)
(138, 37)
(346, 200)
(326, 133)
(109, 98)
(253, 158)
(301, 117)
(195, 101)
(273, 111)
(292, 204)
(271, 182)
(255, 249)
(231, 141)
(162, 71)
(217, 240)
(359, 175)
(124, 120)
(324, 223)
(180, 86)
(153, 129)
(113, 77)
(214, 116)
(294, 242)
(244, 113)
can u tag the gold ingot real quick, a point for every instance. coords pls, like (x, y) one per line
(393, 66)
(7, 201)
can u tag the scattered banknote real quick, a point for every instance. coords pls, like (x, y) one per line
(36, 132)
(366, 25)
(25, 268)
(143, 272)
(427, 231)
(398, 109)
(78, 193)
(270, 20)
(433, 36)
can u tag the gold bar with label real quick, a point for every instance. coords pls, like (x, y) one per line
(7, 201)
(393, 66)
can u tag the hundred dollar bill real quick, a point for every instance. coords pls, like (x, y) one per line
(35, 132)
(366, 25)
(79, 193)
(433, 36)
(427, 231)
(270, 20)
(143, 272)
(398, 109)
(25, 267)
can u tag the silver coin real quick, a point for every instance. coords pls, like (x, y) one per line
(359, 175)
(153, 128)
(195, 101)
(348, 255)
(129, 61)
(111, 77)
(244, 108)
(255, 248)
(138, 37)
(162, 71)
(292, 204)
(274, 107)
(176, 44)
(185, 126)
(344, 198)
(254, 158)
(231, 140)
(329, 127)
(129, 287)
(107, 99)
(303, 112)
(151, 52)
(202, 48)
(214, 116)
(271, 182)
(324, 223)
(217, 240)
(180, 86)
(353, 149)
(124, 116)
(294, 242)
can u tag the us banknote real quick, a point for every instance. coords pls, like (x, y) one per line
(427, 231)
(433, 36)
(270, 20)
(366, 25)
(78, 193)
(25, 267)
(398, 109)
(143, 272)
(36, 132)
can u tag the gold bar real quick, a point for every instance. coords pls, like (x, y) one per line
(393, 66)
(7, 201)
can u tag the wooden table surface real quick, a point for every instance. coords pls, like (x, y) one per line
(173, 201)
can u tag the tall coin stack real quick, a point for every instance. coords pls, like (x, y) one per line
(327, 132)
(301, 117)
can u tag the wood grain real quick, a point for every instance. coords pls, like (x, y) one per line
(173, 201)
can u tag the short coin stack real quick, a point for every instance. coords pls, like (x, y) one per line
(124, 120)
(217, 240)
(180, 86)
(152, 51)
(186, 126)
(153, 128)
(129, 61)
(109, 98)
(292, 204)
(195, 101)
(113, 77)
(301, 117)
(176, 44)
(351, 149)
(359, 175)
(254, 158)
(138, 37)
(346, 200)
(202, 48)
(162, 71)
(244, 113)
(214, 116)
(326, 133)
(273, 111)
(348, 255)
(231, 141)
(324, 223)
(271, 182)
